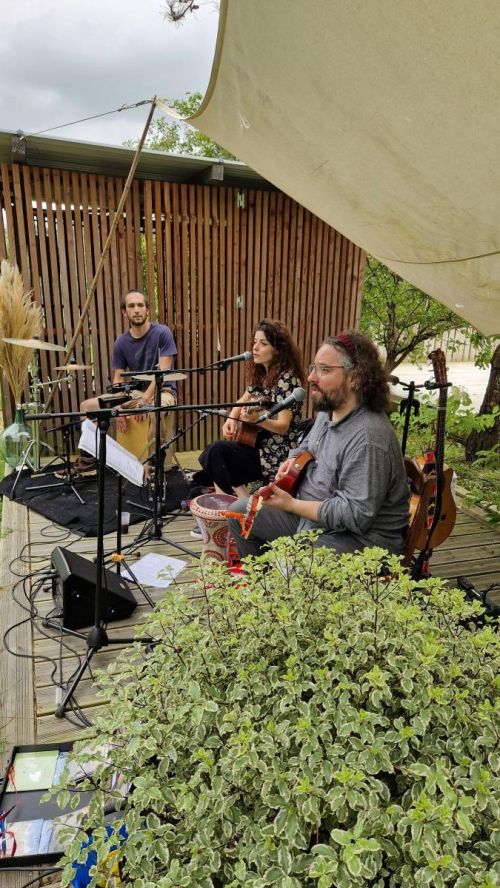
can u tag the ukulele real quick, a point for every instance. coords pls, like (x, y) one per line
(288, 482)
(433, 504)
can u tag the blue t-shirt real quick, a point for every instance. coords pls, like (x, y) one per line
(142, 355)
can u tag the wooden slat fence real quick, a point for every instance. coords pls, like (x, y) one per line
(214, 260)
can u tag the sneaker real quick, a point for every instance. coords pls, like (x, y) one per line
(196, 533)
(84, 465)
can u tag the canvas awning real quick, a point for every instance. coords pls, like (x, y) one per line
(381, 118)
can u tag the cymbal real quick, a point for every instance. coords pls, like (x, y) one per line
(168, 377)
(35, 343)
(73, 367)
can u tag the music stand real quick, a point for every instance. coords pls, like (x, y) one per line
(98, 637)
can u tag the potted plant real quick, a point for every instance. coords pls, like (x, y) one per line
(312, 724)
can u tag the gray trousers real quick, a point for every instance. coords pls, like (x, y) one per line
(270, 524)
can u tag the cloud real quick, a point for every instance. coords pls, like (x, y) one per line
(63, 61)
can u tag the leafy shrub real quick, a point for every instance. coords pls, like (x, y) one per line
(461, 418)
(487, 465)
(310, 725)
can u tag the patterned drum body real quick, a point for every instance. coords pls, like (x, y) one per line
(209, 509)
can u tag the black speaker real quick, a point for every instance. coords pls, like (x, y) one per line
(74, 591)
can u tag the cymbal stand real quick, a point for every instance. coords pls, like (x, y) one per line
(31, 456)
(66, 474)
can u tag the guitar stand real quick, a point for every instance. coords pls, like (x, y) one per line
(419, 568)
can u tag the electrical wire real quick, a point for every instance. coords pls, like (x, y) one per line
(85, 119)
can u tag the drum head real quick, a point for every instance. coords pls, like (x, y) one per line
(214, 502)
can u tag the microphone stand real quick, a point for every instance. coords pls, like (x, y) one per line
(152, 530)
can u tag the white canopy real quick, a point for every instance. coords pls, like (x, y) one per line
(381, 118)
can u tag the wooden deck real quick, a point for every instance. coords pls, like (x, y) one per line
(28, 695)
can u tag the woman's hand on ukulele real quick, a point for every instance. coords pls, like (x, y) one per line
(228, 429)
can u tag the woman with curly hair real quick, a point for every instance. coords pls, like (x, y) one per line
(275, 370)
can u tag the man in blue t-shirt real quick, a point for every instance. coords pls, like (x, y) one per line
(145, 346)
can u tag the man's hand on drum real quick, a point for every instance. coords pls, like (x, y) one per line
(142, 402)
(121, 421)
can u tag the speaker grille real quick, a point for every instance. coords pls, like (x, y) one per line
(76, 584)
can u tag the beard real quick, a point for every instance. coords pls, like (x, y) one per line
(330, 402)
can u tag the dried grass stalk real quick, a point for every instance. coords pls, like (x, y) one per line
(20, 318)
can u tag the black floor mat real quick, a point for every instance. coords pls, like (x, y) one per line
(59, 504)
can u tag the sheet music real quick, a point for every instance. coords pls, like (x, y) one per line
(117, 457)
(157, 570)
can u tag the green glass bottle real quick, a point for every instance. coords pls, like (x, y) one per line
(15, 439)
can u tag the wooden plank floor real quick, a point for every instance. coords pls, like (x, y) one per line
(472, 550)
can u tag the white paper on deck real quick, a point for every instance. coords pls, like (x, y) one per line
(148, 568)
(117, 457)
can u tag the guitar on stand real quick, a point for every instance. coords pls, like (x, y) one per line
(432, 507)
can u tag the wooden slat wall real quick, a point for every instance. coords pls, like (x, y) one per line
(214, 260)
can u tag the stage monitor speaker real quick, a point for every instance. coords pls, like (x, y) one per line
(74, 591)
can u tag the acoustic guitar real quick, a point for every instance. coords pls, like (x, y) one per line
(432, 507)
(288, 482)
(247, 433)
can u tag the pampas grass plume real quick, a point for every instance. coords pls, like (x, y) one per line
(20, 318)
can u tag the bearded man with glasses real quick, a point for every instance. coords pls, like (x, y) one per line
(355, 489)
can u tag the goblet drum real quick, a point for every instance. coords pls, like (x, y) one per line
(208, 510)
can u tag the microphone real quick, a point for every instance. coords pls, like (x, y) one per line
(298, 395)
(243, 357)
(394, 380)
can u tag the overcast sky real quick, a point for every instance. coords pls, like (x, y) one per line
(63, 60)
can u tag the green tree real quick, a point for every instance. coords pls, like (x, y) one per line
(487, 439)
(401, 318)
(177, 137)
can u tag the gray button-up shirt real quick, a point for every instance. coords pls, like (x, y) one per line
(358, 474)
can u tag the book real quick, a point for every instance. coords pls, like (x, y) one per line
(33, 770)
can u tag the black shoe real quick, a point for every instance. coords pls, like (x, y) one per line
(84, 465)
